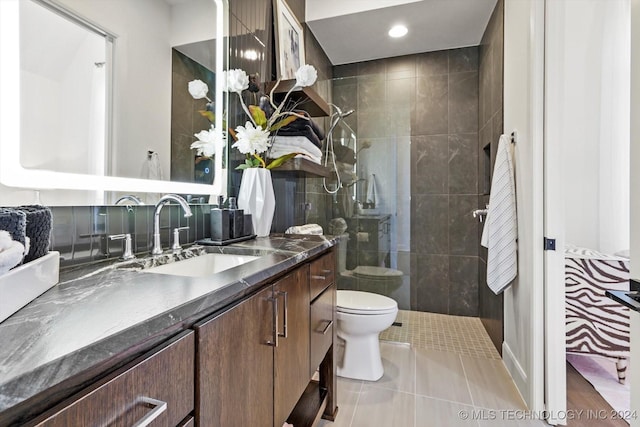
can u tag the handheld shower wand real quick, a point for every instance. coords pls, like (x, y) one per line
(334, 119)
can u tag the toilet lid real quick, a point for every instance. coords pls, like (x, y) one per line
(369, 271)
(357, 302)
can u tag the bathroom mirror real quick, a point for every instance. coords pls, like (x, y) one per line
(87, 95)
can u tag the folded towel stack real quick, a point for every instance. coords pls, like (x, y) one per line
(11, 252)
(282, 145)
(301, 127)
(30, 226)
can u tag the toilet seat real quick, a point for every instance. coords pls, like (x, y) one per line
(364, 303)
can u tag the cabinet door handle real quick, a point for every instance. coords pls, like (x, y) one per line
(326, 271)
(274, 342)
(317, 277)
(158, 408)
(284, 333)
(326, 328)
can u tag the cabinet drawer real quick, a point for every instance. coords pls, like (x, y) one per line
(322, 325)
(322, 274)
(161, 384)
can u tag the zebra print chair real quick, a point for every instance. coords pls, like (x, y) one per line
(595, 324)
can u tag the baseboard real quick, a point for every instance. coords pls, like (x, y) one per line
(518, 374)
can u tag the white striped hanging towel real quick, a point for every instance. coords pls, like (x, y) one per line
(500, 234)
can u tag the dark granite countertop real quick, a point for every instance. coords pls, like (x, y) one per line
(98, 319)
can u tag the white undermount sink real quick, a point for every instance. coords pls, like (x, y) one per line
(23, 284)
(203, 265)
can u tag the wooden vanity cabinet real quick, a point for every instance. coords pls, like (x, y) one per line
(249, 365)
(159, 385)
(291, 354)
(253, 360)
(234, 370)
(322, 326)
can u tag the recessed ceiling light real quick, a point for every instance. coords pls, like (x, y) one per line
(398, 31)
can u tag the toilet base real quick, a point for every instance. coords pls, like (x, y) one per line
(361, 360)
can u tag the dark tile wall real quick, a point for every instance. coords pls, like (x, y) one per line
(299, 199)
(81, 233)
(432, 99)
(490, 119)
(444, 236)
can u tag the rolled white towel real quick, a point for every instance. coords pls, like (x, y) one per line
(11, 252)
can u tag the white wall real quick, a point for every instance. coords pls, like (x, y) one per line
(589, 67)
(193, 21)
(523, 111)
(635, 201)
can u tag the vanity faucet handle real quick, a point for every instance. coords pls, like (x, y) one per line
(176, 238)
(127, 254)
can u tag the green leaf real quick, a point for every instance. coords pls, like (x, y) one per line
(247, 164)
(282, 122)
(208, 115)
(280, 160)
(258, 115)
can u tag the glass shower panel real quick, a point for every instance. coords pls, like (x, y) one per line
(373, 161)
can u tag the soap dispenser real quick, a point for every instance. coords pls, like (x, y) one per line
(220, 222)
(236, 219)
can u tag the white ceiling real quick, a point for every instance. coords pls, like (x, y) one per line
(356, 30)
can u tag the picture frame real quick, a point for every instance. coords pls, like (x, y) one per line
(289, 37)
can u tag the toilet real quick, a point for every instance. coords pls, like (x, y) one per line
(361, 317)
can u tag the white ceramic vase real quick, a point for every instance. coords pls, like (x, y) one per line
(256, 198)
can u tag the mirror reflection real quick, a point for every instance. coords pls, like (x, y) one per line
(103, 89)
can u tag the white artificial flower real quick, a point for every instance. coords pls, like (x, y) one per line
(206, 144)
(198, 89)
(306, 76)
(236, 81)
(251, 139)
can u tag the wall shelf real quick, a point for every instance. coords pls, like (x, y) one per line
(307, 98)
(303, 167)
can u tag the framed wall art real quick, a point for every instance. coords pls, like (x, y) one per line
(289, 41)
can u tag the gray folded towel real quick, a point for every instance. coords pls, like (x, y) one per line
(38, 230)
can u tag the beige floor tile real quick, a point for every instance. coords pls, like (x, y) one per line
(348, 394)
(440, 374)
(439, 413)
(398, 361)
(490, 384)
(385, 408)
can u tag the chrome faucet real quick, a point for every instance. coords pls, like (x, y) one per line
(157, 246)
(131, 198)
